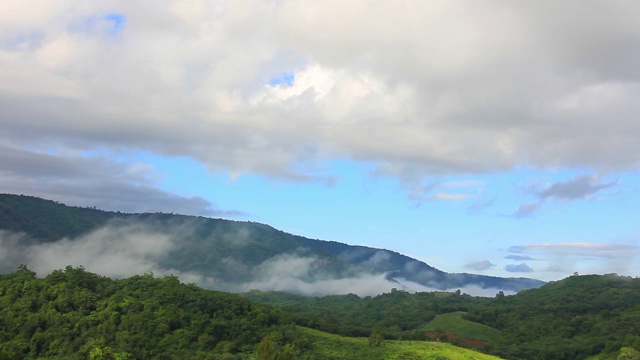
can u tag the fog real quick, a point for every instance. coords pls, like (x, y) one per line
(122, 249)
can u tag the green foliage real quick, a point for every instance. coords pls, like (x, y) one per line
(628, 353)
(397, 314)
(455, 323)
(578, 317)
(48, 220)
(75, 314)
(376, 339)
(331, 346)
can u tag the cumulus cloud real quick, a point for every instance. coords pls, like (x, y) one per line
(518, 268)
(480, 265)
(420, 89)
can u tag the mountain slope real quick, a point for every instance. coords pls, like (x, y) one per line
(216, 253)
(574, 318)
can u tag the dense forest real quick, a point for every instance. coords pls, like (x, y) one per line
(74, 314)
(575, 318)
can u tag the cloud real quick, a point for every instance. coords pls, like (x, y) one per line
(518, 268)
(473, 290)
(422, 89)
(584, 257)
(527, 210)
(450, 197)
(480, 265)
(480, 206)
(116, 250)
(95, 181)
(519, 257)
(581, 248)
(580, 187)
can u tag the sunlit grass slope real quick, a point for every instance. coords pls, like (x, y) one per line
(455, 324)
(329, 346)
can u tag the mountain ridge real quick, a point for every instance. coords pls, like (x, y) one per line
(218, 253)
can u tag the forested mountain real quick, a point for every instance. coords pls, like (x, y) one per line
(215, 253)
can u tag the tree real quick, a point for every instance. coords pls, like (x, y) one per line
(376, 339)
(629, 353)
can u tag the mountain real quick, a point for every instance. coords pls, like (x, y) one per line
(214, 253)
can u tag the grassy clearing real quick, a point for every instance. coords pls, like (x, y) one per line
(330, 346)
(455, 324)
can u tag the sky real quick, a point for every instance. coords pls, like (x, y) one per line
(493, 137)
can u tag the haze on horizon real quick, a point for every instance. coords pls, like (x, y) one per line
(489, 137)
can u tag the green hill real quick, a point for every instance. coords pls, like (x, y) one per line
(454, 323)
(574, 318)
(75, 314)
(226, 255)
(329, 346)
(72, 313)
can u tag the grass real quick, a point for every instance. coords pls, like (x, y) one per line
(330, 346)
(455, 324)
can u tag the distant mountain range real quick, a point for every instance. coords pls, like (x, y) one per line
(214, 253)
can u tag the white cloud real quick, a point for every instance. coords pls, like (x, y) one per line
(421, 88)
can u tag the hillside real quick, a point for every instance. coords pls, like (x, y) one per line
(574, 318)
(328, 346)
(591, 316)
(75, 314)
(72, 313)
(215, 253)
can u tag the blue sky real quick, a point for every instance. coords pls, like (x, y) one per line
(423, 128)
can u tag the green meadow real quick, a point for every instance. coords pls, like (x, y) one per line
(330, 346)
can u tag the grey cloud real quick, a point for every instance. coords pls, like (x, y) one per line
(480, 206)
(443, 92)
(580, 187)
(518, 268)
(94, 181)
(527, 210)
(480, 265)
